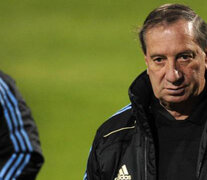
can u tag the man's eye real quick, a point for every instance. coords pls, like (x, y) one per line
(186, 57)
(158, 60)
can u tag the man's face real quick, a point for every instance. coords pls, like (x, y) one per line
(175, 62)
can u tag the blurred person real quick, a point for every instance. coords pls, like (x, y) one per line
(162, 133)
(20, 153)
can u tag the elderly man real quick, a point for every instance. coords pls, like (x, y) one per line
(162, 134)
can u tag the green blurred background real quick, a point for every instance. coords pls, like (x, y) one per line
(73, 62)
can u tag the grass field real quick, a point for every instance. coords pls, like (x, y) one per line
(73, 62)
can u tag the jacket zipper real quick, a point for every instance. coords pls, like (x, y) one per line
(145, 158)
(199, 169)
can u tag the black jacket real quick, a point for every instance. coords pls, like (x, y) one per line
(20, 153)
(124, 146)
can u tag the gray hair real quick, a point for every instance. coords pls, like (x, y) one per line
(171, 13)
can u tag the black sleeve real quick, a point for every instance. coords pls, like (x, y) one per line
(93, 166)
(24, 159)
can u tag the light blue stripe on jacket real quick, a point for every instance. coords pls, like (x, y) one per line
(22, 146)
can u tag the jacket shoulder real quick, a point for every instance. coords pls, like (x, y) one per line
(120, 122)
(6, 78)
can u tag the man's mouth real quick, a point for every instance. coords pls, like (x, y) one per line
(176, 91)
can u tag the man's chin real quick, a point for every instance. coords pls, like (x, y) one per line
(173, 99)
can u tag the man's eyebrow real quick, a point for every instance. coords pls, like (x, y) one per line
(156, 55)
(180, 53)
(187, 52)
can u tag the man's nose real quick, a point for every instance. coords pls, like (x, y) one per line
(173, 74)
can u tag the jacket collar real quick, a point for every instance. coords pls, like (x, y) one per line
(140, 91)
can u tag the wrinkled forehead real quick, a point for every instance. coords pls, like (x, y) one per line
(180, 26)
(180, 29)
(170, 39)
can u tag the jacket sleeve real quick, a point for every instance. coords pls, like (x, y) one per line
(23, 157)
(93, 166)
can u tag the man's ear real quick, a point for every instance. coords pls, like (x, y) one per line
(206, 58)
(146, 62)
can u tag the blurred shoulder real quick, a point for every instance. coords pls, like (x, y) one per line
(6, 78)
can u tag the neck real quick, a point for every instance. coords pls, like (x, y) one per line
(180, 111)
